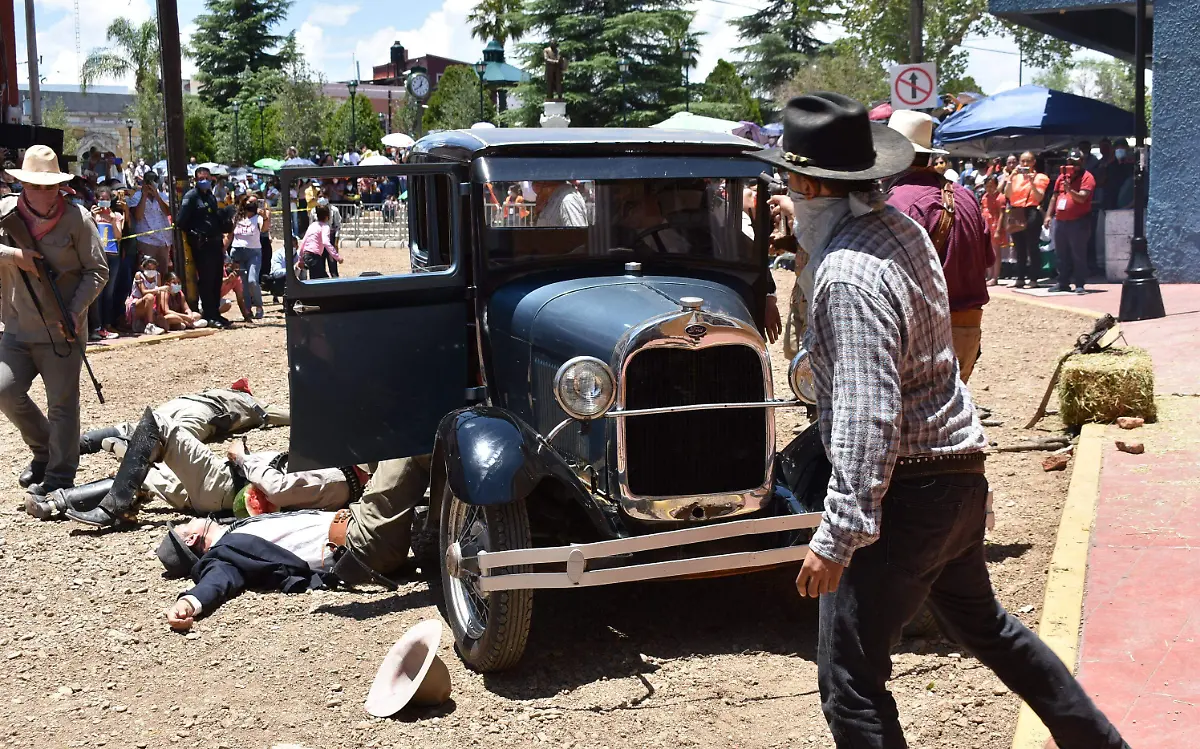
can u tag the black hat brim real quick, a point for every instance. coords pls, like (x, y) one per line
(893, 154)
(175, 555)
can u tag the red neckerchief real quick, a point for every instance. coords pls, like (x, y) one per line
(39, 226)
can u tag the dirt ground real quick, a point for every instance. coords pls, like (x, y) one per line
(87, 659)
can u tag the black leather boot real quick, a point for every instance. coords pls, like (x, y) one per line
(90, 441)
(57, 502)
(34, 473)
(119, 505)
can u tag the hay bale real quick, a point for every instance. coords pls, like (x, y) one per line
(1106, 386)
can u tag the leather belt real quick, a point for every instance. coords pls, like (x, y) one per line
(936, 465)
(337, 529)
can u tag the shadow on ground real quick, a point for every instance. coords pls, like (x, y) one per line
(583, 636)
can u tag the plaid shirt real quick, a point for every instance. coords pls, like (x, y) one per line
(884, 366)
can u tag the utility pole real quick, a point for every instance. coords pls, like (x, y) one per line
(35, 82)
(172, 90)
(1141, 297)
(916, 28)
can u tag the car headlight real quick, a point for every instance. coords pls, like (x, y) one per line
(800, 377)
(584, 387)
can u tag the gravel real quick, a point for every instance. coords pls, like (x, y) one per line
(716, 662)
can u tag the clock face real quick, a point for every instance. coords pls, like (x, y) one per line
(418, 84)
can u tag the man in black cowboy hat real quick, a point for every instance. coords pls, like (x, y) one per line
(905, 508)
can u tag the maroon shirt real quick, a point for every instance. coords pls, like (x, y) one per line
(968, 253)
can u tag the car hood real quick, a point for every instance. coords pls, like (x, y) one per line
(589, 316)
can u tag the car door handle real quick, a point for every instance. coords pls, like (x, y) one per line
(300, 308)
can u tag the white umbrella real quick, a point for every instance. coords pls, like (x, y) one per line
(215, 168)
(299, 161)
(483, 126)
(689, 121)
(376, 160)
(398, 140)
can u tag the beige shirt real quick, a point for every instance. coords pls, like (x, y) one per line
(322, 489)
(72, 248)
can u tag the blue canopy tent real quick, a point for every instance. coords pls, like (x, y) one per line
(1030, 118)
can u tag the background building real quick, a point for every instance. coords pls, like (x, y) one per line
(1172, 221)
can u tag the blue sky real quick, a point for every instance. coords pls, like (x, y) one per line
(335, 36)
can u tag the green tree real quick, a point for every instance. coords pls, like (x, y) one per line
(55, 116)
(234, 38)
(134, 49)
(197, 130)
(880, 29)
(724, 94)
(501, 20)
(1057, 76)
(839, 67)
(594, 36)
(366, 129)
(407, 115)
(779, 41)
(302, 108)
(455, 104)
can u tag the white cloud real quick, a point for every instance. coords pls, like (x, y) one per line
(56, 34)
(333, 15)
(444, 32)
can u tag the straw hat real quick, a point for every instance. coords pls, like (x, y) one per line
(917, 127)
(411, 672)
(40, 167)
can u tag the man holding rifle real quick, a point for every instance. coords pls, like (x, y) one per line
(45, 240)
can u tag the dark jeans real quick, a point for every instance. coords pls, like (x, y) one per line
(1071, 250)
(1026, 246)
(931, 547)
(210, 266)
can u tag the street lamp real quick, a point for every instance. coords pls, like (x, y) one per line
(1141, 297)
(129, 126)
(237, 154)
(480, 69)
(262, 126)
(353, 87)
(382, 122)
(623, 66)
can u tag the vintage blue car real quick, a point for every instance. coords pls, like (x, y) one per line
(575, 337)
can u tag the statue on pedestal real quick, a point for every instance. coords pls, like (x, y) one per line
(556, 65)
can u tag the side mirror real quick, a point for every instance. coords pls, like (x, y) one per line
(800, 377)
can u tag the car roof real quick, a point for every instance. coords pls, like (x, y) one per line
(464, 145)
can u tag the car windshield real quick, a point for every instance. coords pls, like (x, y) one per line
(536, 221)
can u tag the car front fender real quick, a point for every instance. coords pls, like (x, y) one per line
(492, 457)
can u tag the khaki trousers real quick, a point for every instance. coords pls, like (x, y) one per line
(381, 522)
(189, 476)
(53, 437)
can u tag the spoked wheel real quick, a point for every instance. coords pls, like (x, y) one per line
(490, 629)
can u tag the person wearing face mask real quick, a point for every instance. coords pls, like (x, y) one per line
(951, 216)
(245, 246)
(110, 224)
(1071, 211)
(905, 509)
(1024, 190)
(200, 218)
(39, 225)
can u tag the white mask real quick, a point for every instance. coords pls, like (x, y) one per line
(176, 288)
(812, 234)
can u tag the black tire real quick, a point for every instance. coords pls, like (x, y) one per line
(500, 642)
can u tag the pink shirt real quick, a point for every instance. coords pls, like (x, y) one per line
(316, 241)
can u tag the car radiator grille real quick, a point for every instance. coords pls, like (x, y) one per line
(695, 452)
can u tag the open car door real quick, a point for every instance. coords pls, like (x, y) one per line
(377, 356)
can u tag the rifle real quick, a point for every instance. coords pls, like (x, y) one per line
(51, 276)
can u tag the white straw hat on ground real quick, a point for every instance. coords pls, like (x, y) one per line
(411, 672)
(917, 127)
(40, 167)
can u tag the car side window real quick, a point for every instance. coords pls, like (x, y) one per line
(371, 225)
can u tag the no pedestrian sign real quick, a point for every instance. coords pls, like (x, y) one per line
(914, 86)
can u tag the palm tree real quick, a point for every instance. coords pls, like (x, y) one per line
(501, 20)
(134, 49)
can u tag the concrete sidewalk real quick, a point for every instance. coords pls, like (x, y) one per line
(1138, 650)
(1172, 341)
